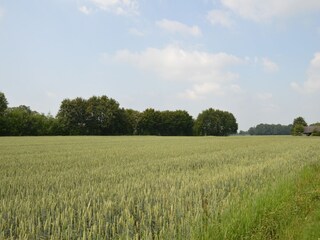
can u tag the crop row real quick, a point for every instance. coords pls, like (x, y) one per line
(138, 187)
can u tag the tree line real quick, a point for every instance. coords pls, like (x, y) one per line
(100, 115)
(270, 129)
(295, 129)
(299, 124)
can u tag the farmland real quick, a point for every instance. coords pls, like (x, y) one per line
(150, 187)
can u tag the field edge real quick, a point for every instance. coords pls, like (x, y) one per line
(288, 211)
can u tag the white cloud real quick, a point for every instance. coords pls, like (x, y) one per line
(119, 7)
(178, 27)
(85, 10)
(203, 90)
(258, 10)
(220, 17)
(208, 72)
(312, 84)
(265, 103)
(173, 62)
(269, 66)
(136, 32)
(200, 91)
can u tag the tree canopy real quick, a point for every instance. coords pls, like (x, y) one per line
(298, 126)
(3, 103)
(165, 123)
(3, 107)
(22, 121)
(299, 121)
(100, 115)
(216, 123)
(270, 129)
(95, 116)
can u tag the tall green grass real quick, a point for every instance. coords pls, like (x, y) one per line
(148, 187)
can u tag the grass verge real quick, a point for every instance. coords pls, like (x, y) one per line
(291, 210)
(306, 223)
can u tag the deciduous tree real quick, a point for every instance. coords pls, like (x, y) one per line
(216, 123)
(3, 103)
(149, 122)
(298, 126)
(176, 123)
(72, 116)
(3, 107)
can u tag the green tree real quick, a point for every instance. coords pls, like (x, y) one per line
(121, 124)
(165, 123)
(133, 117)
(176, 123)
(52, 126)
(298, 126)
(3, 107)
(216, 123)
(316, 131)
(103, 116)
(270, 129)
(22, 121)
(299, 121)
(243, 133)
(149, 122)
(95, 116)
(3, 103)
(18, 121)
(297, 130)
(72, 116)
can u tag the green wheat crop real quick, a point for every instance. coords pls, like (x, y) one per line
(140, 187)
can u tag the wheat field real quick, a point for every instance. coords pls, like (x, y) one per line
(142, 187)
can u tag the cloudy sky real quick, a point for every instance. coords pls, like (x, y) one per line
(258, 59)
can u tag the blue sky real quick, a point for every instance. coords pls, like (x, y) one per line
(258, 59)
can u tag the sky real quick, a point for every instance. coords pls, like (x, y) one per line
(259, 60)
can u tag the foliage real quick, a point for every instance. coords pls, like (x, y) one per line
(297, 130)
(216, 123)
(150, 187)
(132, 117)
(299, 121)
(298, 126)
(316, 131)
(3, 107)
(149, 122)
(103, 116)
(3, 103)
(72, 116)
(95, 116)
(243, 133)
(22, 121)
(166, 123)
(176, 123)
(270, 129)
